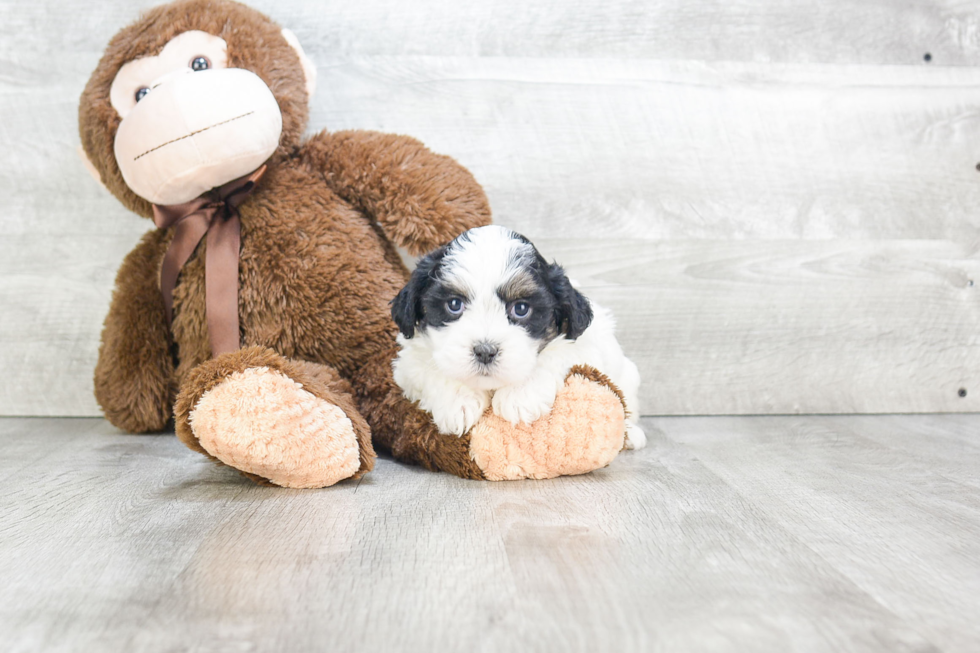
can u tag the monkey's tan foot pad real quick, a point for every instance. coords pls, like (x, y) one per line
(264, 423)
(584, 431)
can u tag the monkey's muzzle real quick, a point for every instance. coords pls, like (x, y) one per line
(195, 132)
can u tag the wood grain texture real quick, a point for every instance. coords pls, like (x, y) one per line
(770, 327)
(889, 518)
(55, 294)
(725, 534)
(672, 150)
(834, 31)
(950, 445)
(675, 123)
(742, 327)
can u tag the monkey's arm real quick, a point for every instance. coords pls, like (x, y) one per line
(420, 199)
(135, 370)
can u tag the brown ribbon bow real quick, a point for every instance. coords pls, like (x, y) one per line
(216, 214)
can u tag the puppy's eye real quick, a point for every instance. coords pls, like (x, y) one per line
(520, 310)
(455, 306)
(141, 92)
(200, 63)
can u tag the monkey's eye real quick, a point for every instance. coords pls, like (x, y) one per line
(141, 92)
(200, 63)
(455, 306)
(519, 310)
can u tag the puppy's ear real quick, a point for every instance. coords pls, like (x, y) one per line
(406, 307)
(573, 315)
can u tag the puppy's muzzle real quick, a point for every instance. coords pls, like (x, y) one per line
(485, 352)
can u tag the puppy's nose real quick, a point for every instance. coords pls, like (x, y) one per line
(485, 352)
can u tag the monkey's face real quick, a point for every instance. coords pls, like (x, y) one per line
(190, 123)
(192, 96)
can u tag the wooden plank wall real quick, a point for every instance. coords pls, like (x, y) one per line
(779, 200)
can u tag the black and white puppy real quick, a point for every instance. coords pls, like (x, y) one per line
(485, 320)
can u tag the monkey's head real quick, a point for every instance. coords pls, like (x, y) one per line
(194, 94)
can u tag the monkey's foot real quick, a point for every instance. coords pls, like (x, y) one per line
(284, 422)
(584, 431)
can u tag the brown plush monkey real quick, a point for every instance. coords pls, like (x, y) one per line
(257, 315)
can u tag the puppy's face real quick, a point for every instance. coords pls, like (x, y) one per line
(488, 303)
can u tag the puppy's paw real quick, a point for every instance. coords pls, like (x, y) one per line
(635, 437)
(524, 403)
(456, 414)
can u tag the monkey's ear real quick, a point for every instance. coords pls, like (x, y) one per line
(91, 168)
(309, 70)
(406, 307)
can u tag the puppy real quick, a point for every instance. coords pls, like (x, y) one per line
(486, 321)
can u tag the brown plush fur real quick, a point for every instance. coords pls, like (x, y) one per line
(318, 264)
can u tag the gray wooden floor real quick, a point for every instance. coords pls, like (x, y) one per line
(725, 534)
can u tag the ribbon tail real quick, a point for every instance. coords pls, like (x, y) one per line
(221, 283)
(193, 219)
(187, 235)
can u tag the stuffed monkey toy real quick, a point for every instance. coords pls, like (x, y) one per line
(256, 316)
